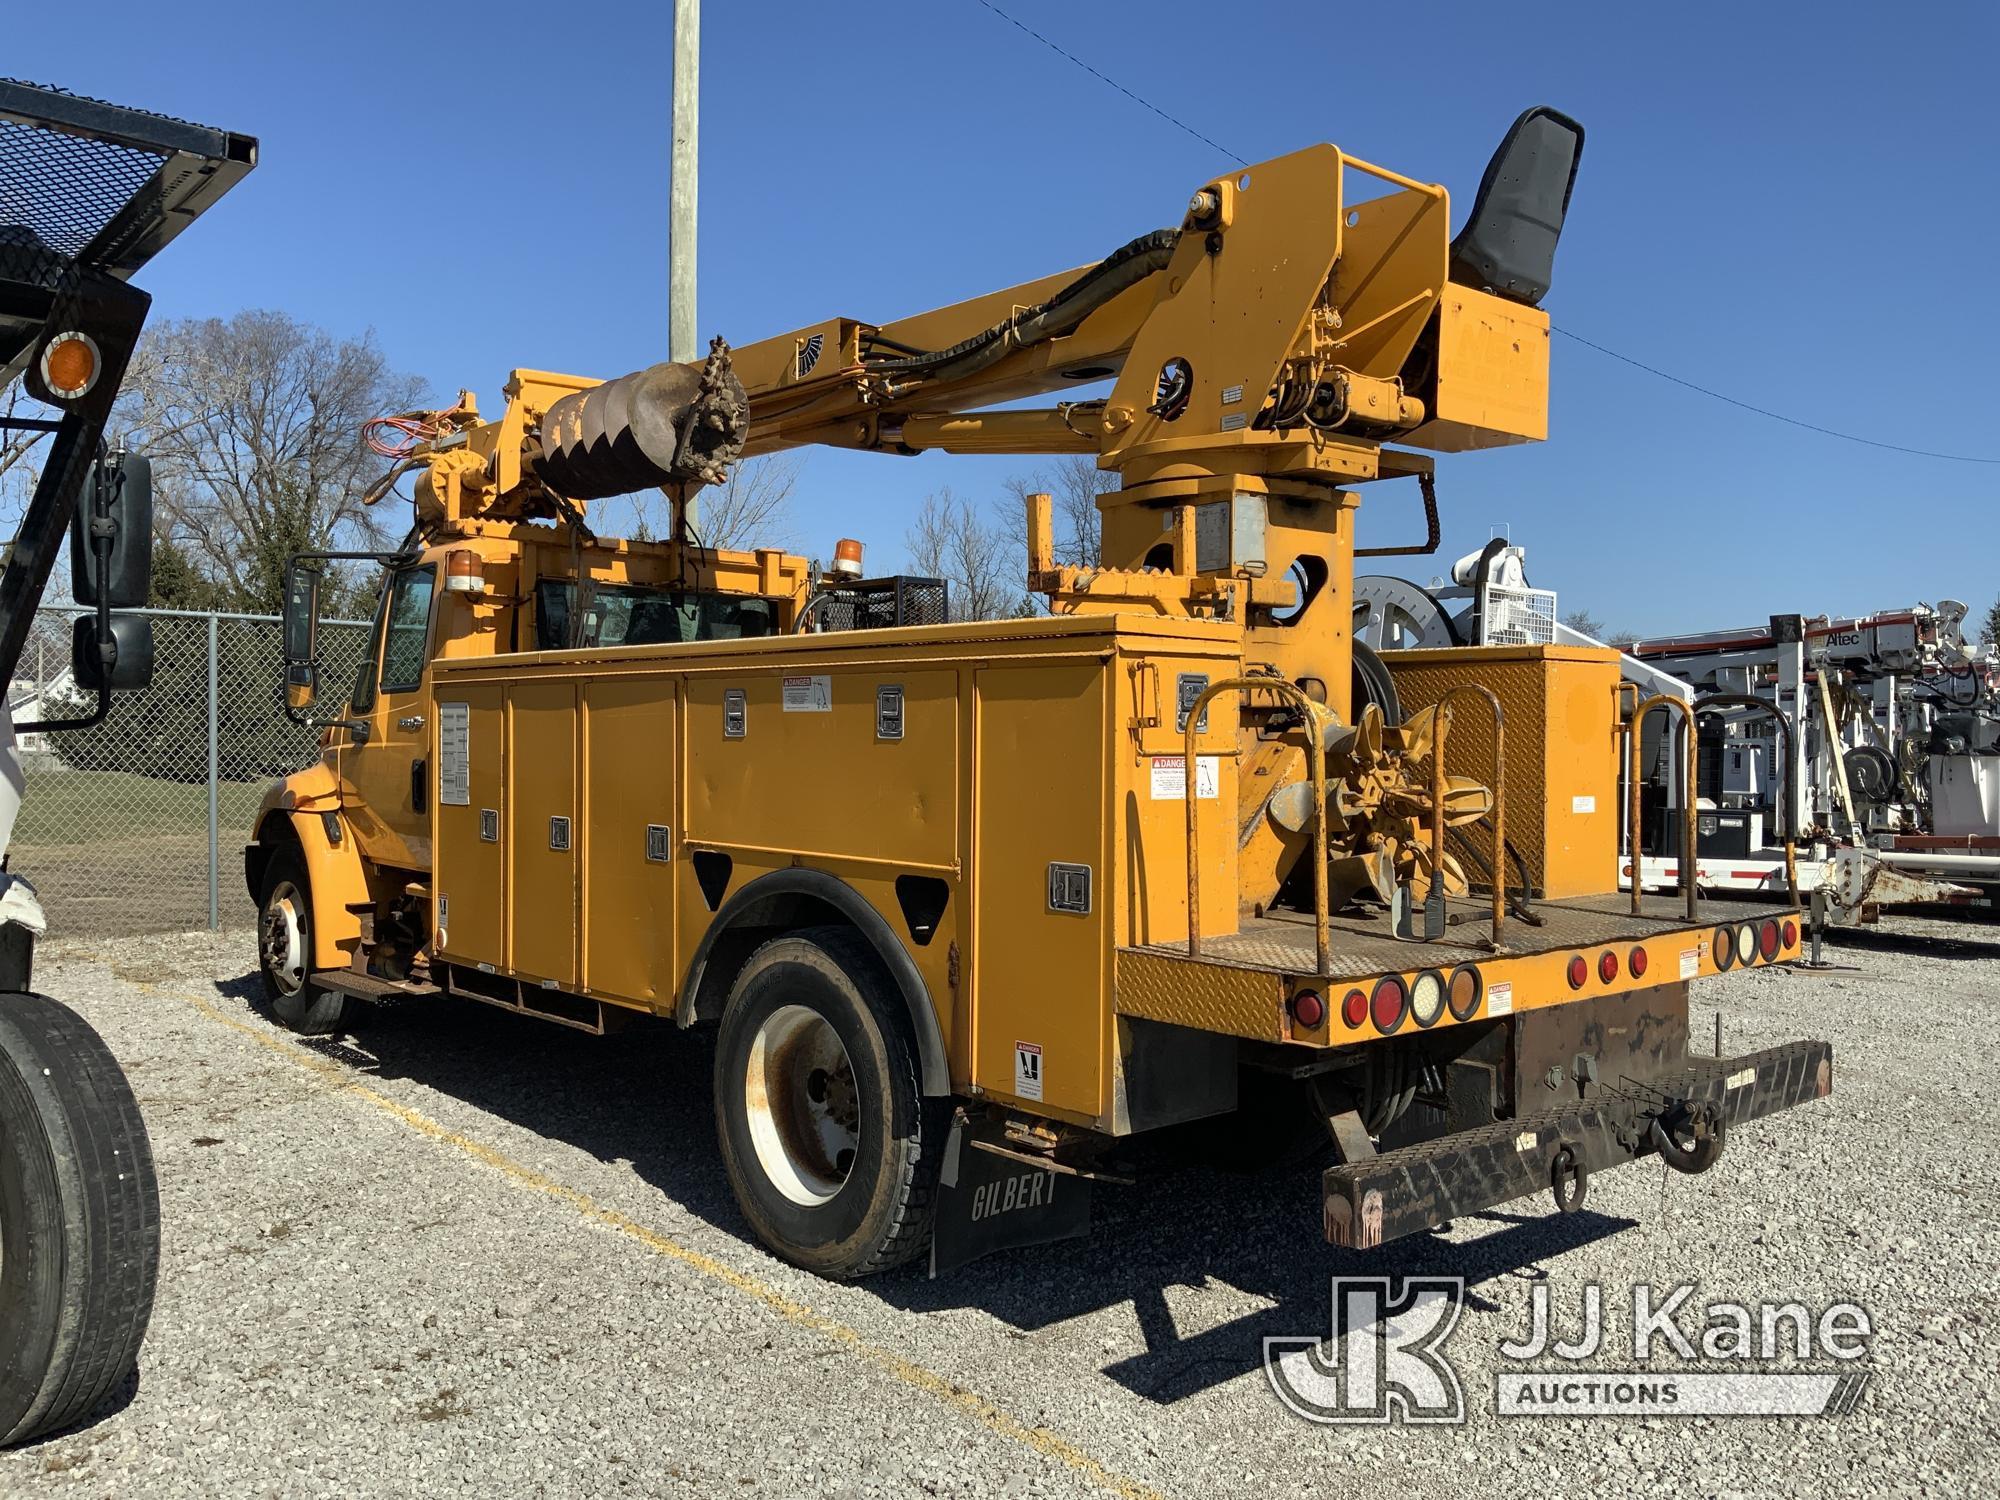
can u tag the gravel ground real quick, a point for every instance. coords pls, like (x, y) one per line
(473, 1254)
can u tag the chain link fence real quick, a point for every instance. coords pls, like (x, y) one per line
(136, 824)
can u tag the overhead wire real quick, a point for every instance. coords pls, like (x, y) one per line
(1637, 364)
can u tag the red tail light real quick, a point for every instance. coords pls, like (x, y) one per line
(1308, 1009)
(1607, 966)
(1389, 1004)
(1635, 961)
(1791, 932)
(1767, 940)
(1579, 972)
(1354, 1009)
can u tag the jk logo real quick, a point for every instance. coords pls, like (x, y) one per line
(1385, 1359)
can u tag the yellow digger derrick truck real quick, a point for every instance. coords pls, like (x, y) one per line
(971, 902)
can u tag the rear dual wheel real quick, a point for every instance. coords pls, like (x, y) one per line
(829, 1144)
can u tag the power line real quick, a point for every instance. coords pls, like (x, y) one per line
(1637, 364)
(1114, 83)
(1775, 416)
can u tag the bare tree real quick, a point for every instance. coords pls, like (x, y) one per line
(254, 428)
(950, 540)
(1073, 482)
(752, 508)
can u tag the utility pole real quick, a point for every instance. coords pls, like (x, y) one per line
(682, 334)
(681, 328)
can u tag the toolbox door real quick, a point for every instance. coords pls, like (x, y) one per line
(541, 831)
(631, 837)
(470, 875)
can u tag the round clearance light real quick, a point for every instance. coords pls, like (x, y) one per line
(1746, 943)
(69, 365)
(1579, 972)
(1308, 1009)
(1725, 947)
(1465, 988)
(1389, 1004)
(1427, 998)
(1354, 1009)
(1791, 932)
(1635, 962)
(1767, 939)
(1607, 966)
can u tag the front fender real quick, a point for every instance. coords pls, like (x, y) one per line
(304, 808)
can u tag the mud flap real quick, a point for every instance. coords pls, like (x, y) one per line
(987, 1202)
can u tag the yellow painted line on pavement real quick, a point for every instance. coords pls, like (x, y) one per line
(918, 1377)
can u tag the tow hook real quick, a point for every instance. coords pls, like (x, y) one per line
(1568, 1181)
(1689, 1136)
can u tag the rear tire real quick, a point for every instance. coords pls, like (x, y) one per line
(79, 1220)
(284, 949)
(829, 1144)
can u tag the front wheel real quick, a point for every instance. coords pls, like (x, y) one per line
(284, 949)
(830, 1146)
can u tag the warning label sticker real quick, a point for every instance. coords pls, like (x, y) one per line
(455, 754)
(1027, 1070)
(1690, 963)
(1170, 777)
(808, 695)
(1500, 998)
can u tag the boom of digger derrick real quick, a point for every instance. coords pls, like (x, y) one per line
(1104, 860)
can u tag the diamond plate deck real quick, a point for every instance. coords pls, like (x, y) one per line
(1284, 944)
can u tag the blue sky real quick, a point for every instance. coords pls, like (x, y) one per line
(1793, 205)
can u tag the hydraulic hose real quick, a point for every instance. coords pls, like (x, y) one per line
(1119, 271)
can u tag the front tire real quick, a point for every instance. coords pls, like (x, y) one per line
(284, 949)
(79, 1220)
(829, 1144)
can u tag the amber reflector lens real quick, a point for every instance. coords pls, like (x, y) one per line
(1579, 972)
(69, 365)
(1636, 962)
(1725, 947)
(1464, 993)
(1308, 1009)
(1390, 1004)
(1354, 1009)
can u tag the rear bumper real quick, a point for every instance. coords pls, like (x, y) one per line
(1385, 1197)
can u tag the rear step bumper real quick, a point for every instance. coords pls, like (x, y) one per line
(1385, 1197)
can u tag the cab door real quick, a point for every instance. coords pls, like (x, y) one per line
(385, 785)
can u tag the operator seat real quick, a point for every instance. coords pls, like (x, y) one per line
(1508, 244)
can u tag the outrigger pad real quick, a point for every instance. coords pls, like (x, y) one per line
(987, 1203)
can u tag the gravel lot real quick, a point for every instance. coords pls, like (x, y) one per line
(472, 1254)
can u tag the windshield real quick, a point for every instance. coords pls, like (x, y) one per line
(625, 615)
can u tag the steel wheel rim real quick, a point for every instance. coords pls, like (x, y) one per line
(281, 938)
(802, 1105)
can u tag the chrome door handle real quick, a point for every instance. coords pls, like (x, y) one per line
(410, 721)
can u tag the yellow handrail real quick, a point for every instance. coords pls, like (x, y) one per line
(1316, 769)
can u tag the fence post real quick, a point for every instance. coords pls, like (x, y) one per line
(214, 787)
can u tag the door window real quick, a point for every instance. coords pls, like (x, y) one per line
(406, 638)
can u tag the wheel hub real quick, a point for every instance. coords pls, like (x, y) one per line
(281, 938)
(803, 1109)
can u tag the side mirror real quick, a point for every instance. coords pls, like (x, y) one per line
(301, 630)
(126, 661)
(111, 534)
